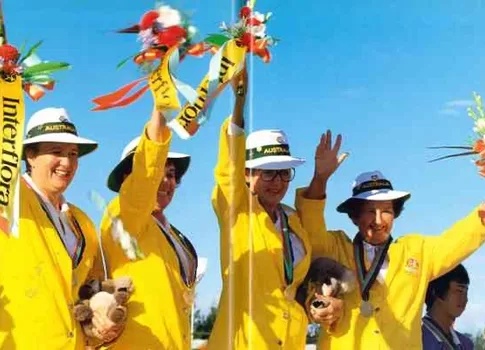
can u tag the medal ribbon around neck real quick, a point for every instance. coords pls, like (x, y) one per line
(288, 257)
(367, 278)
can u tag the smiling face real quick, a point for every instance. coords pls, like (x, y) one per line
(52, 166)
(269, 185)
(166, 189)
(375, 220)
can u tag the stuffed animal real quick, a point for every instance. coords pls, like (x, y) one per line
(107, 297)
(326, 277)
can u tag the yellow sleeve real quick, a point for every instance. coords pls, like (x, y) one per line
(231, 189)
(137, 196)
(311, 213)
(454, 245)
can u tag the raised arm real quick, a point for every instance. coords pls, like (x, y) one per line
(456, 243)
(138, 192)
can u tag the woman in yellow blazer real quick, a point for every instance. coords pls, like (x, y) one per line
(265, 251)
(385, 312)
(57, 249)
(164, 278)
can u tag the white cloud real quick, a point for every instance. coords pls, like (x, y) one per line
(449, 111)
(459, 103)
(455, 107)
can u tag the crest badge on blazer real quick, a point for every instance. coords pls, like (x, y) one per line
(412, 265)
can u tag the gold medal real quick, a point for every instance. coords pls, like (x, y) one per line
(366, 308)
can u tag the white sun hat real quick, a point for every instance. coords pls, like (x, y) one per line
(373, 186)
(269, 149)
(181, 162)
(53, 125)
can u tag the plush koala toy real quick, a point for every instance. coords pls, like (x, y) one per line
(326, 277)
(107, 297)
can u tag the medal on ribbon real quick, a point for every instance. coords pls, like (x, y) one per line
(367, 278)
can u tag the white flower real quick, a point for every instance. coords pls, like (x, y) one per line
(258, 31)
(480, 126)
(147, 38)
(259, 16)
(169, 17)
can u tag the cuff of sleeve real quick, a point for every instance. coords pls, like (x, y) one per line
(155, 152)
(234, 130)
(303, 203)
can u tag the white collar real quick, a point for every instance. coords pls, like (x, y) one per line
(52, 208)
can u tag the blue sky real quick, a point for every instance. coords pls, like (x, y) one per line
(392, 77)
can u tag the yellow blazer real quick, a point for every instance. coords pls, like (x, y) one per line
(38, 285)
(158, 316)
(414, 260)
(254, 312)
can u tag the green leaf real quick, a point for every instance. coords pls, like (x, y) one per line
(125, 61)
(39, 79)
(45, 67)
(216, 39)
(31, 51)
(22, 48)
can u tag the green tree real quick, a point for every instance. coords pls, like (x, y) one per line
(479, 341)
(203, 323)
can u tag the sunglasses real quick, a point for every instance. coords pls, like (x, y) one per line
(285, 175)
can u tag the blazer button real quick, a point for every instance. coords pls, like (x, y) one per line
(70, 334)
(286, 315)
(280, 342)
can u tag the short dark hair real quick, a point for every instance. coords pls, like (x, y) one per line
(34, 147)
(439, 287)
(178, 174)
(355, 205)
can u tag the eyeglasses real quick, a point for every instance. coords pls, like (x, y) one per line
(285, 175)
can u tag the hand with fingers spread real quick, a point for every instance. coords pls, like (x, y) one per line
(327, 161)
(327, 158)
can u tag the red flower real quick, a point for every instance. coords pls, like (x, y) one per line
(479, 146)
(171, 36)
(9, 53)
(148, 19)
(253, 22)
(247, 39)
(245, 12)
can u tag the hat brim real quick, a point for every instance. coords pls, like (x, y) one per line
(274, 162)
(124, 167)
(375, 195)
(85, 146)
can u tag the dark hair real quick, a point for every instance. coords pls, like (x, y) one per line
(34, 147)
(439, 287)
(178, 174)
(354, 207)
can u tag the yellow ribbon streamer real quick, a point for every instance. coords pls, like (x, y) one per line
(186, 124)
(12, 116)
(162, 86)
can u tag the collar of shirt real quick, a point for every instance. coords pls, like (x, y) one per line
(370, 252)
(59, 218)
(454, 336)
